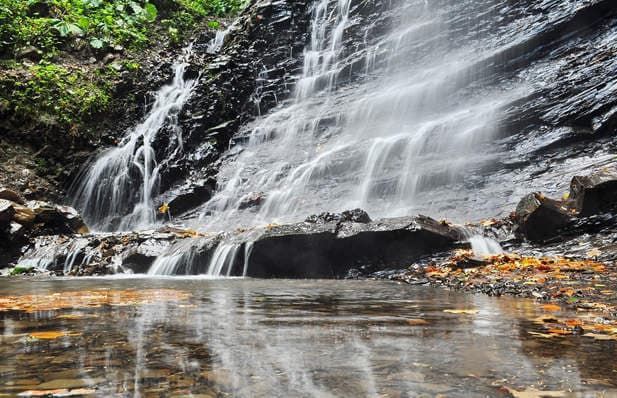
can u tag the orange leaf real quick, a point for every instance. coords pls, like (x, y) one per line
(416, 322)
(559, 331)
(50, 335)
(571, 323)
(551, 307)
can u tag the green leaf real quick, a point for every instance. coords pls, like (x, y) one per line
(151, 12)
(136, 8)
(97, 43)
(83, 22)
(65, 29)
(93, 3)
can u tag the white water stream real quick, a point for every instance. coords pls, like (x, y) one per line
(416, 123)
(383, 144)
(115, 192)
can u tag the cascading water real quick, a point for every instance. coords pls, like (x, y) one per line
(386, 125)
(384, 144)
(217, 42)
(115, 192)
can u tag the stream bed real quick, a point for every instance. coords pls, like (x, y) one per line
(183, 337)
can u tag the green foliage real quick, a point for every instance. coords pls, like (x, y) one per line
(55, 95)
(47, 24)
(54, 92)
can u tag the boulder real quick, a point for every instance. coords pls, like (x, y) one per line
(190, 197)
(139, 259)
(9, 194)
(595, 193)
(29, 52)
(23, 215)
(44, 212)
(540, 218)
(7, 211)
(72, 219)
(331, 249)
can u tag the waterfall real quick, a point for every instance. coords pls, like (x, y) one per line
(115, 192)
(484, 247)
(394, 121)
(392, 141)
(216, 44)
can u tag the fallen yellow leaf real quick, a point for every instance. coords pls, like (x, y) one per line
(467, 312)
(416, 322)
(50, 335)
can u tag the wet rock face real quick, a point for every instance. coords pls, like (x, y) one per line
(331, 249)
(21, 220)
(261, 55)
(356, 215)
(256, 70)
(327, 249)
(588, 208)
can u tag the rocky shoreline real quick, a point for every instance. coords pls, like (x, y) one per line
(325, 245)
(557, 252)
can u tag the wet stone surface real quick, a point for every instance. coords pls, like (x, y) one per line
(240, 338)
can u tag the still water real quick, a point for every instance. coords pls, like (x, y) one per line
(255, 338)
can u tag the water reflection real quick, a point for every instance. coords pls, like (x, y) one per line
(246, 338)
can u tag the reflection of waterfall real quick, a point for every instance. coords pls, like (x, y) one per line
(250, 338)
(123, 180)
(381, 144)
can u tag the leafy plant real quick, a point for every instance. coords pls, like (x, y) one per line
(56, 94)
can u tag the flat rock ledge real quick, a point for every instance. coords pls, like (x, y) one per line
(328, 245)
(318, 248)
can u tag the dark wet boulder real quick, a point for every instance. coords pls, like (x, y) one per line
(72, 219)
(540, 218)
(140, 258)
(331, 249)
(190, 197)
(9, 194)
(43, 211)
(7, 211)
(595, 193)
(23, 215)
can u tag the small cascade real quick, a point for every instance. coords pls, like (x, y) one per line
(223, 259)
(60, 256)
(483, 246)
(216, 44)
(182, 258)
(115, 192)
(248, 249)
